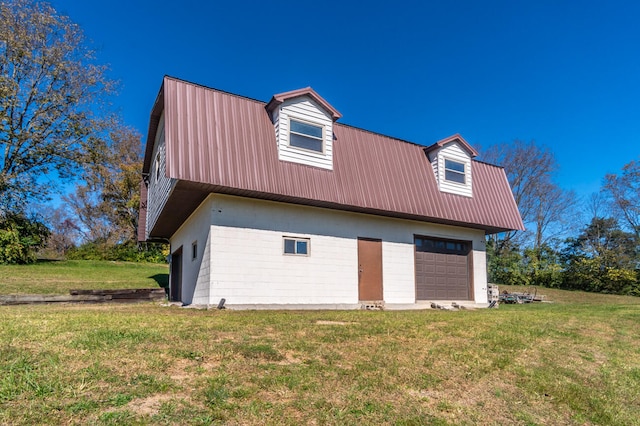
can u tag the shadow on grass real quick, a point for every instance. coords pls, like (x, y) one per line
(161, 279)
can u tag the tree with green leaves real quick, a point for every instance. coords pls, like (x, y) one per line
(107, 203)
(505, 264)
(51, 91)
(20, 238)
(543, 266)
(603, 258)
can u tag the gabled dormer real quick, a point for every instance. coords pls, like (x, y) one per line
(303, 123)
(451, 162)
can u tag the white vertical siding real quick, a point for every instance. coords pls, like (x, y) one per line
(305, 109)
(160, 187)
(454, 152)
(276, 125)
(247, 264)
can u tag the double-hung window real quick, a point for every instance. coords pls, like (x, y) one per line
(454, 171)
(306, 136)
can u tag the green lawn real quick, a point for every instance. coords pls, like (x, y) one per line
(58, 277)
(576, 361)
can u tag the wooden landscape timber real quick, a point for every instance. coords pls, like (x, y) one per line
(87, 296)
(134, 294)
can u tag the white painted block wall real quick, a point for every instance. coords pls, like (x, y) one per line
(196, 273)
(246, 264)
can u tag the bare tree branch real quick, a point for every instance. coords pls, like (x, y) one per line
(542, 204)
(624, 195)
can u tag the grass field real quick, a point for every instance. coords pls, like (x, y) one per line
(58, 277)
(576, 361)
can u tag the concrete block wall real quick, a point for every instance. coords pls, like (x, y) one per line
(240, 253)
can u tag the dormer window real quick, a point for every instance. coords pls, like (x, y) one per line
(303, 126)
(454, 171)
(451, 162)
(306, 136)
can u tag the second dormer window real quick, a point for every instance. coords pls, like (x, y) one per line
(306, 136)
(454, 171)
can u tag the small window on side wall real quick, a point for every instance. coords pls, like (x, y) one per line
(296, 246)
(454, 171)
(306, 136)
(157, 167)
(194, 250)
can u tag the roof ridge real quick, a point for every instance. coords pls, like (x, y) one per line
(373, 132)
(215, 89)
(380, 134)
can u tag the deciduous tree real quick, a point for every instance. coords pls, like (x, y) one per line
(50, 96)
(624, 193)
(603, 258)
(65, 234)
(107, 203)
(20, 238)
(542, 203)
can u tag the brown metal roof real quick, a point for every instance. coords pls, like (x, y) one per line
(220, 142)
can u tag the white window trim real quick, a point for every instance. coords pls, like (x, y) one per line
(296, 239)
(311, 123)
(465, 174)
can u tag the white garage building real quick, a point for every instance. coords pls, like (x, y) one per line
(277, 204)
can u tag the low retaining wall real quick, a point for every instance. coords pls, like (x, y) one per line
(87, 296)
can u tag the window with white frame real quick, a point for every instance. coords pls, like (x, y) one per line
(454, 171)
(306, 136)
(296, 246)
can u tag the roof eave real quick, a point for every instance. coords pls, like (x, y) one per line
(154, 120)
(188, 195)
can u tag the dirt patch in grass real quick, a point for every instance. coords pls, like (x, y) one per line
(326, 322)
(151, 405)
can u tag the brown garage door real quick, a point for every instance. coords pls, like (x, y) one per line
(442, 269)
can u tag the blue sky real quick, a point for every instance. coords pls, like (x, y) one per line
(565, 73)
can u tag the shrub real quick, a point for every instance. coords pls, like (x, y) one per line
(127, 252)
(20, 238)
(542, 266)
(505, 266)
